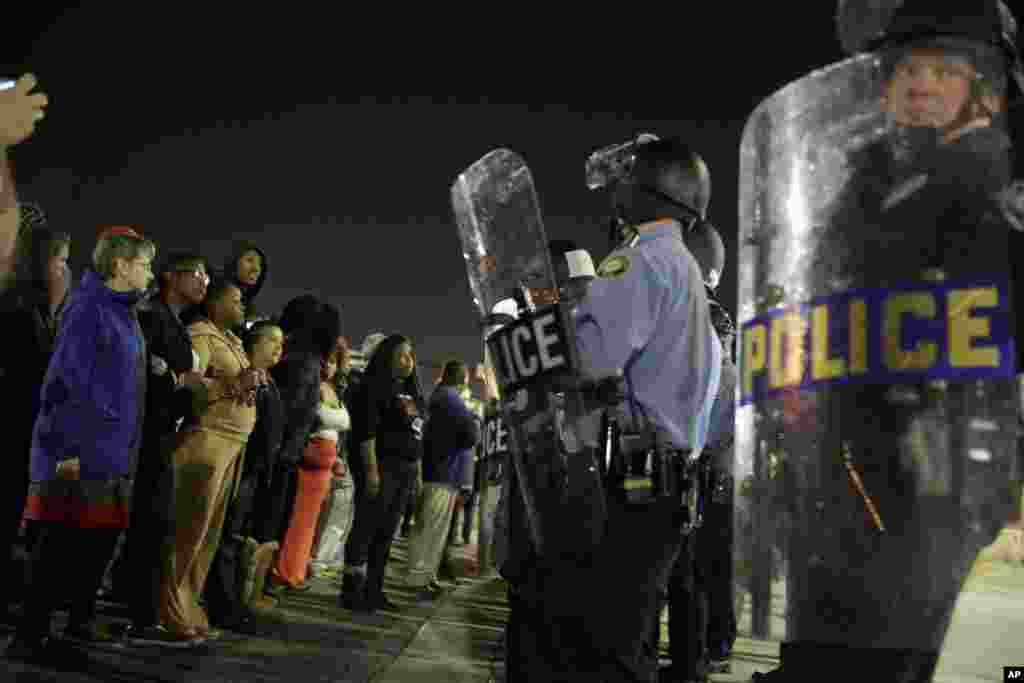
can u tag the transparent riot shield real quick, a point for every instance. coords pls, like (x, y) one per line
(535, 358)
(877, 514)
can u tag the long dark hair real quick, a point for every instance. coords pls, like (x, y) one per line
(311, 323)
(379, 377)
(36, 245)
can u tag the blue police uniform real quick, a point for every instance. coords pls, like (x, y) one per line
(647, 315)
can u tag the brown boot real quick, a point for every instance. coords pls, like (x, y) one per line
(263, 560)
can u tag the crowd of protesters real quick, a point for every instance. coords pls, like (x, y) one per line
(200, 462)
(196, 460)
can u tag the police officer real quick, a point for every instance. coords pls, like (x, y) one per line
(646, 317)
(881, 512)
(701, 623)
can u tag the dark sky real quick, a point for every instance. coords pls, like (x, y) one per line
(202, 128)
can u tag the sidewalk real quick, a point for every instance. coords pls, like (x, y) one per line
(309, 637)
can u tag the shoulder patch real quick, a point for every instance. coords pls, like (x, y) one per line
(613, 266)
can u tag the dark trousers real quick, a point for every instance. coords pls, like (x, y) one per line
(410, 508)
(714, 551)
(688, 613)
(595, 621)
(136, 573)
(65, 563)
(13, 490)
(223, 590)
(468, 508)
(272, 505)
(377, 518)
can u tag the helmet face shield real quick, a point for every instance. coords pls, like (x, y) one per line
(614, 163)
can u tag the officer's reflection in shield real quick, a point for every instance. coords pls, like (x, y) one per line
(875, 565)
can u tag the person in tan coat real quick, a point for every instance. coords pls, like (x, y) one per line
(207, 458)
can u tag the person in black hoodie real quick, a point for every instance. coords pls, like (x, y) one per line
(30, 312)
(386, 449)
(311, 329)
(247, 268)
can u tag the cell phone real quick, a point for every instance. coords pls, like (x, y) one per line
(6, 83)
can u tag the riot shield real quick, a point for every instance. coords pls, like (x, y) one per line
(535, 359)
(876, 468)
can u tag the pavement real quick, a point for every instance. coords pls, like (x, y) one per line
(459, 637)
(310, 638)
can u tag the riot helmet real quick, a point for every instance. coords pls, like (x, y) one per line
(651, 179)
(708, 250)
(667, 179)
(980, 33)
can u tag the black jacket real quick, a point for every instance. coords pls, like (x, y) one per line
(166, 338)
(264, 446)
(298, 379)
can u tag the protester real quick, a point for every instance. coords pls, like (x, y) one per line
(451, 433)
(206, 460)
(85, 444)
(387, 433)
(314, 480)
(29, 312)
(264, 343)
(138, 572)
(336, 516)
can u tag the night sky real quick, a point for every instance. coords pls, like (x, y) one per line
(201, 128)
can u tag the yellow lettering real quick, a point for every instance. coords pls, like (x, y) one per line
(920, 305)
(963, 328)
(823, 367)
(858, 337)
(755, 340)
(786, 357)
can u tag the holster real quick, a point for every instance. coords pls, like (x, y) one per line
(642, 471)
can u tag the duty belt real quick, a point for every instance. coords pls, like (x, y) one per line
(654, 473)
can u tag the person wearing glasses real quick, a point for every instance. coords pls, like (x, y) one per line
(85, 447)
(183, 282)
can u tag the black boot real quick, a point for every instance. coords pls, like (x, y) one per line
(353, 592)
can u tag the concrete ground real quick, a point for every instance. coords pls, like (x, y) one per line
(458, 639)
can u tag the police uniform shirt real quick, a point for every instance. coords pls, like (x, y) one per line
(722, 425)
(647, 316)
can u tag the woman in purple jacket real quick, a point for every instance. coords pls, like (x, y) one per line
(85, 444)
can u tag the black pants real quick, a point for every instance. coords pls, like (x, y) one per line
(13, 491)
(137, 570)
(222, 591)
(595, 621)
(410, 508)
(688, 612)
(65, 563)
(377, 518)
(714, 551)
(273, 499)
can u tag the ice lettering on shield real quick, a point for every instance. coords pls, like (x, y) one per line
(505, 248)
